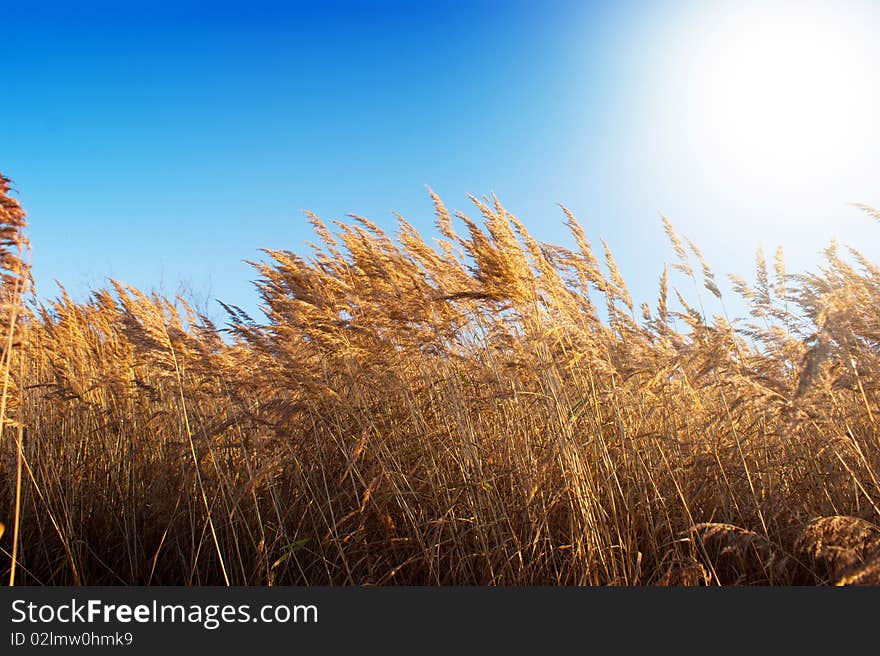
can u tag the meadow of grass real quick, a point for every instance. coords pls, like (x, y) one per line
(488, 410)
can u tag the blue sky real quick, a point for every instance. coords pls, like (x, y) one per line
(162, 144)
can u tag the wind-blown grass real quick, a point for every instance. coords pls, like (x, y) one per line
(487, 410)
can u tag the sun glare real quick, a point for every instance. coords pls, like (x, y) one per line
(780, 94)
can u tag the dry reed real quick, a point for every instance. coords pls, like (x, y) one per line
(489, 410)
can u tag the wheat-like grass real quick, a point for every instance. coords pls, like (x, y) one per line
(485, 410)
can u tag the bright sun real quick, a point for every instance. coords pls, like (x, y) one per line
(784, 93)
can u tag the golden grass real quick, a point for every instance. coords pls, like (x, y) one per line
(488, 410)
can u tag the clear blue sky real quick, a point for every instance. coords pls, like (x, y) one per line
(164, 143)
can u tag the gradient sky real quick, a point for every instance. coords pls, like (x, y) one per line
(163, 143)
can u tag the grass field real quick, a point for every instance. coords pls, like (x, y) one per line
(489, 410)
